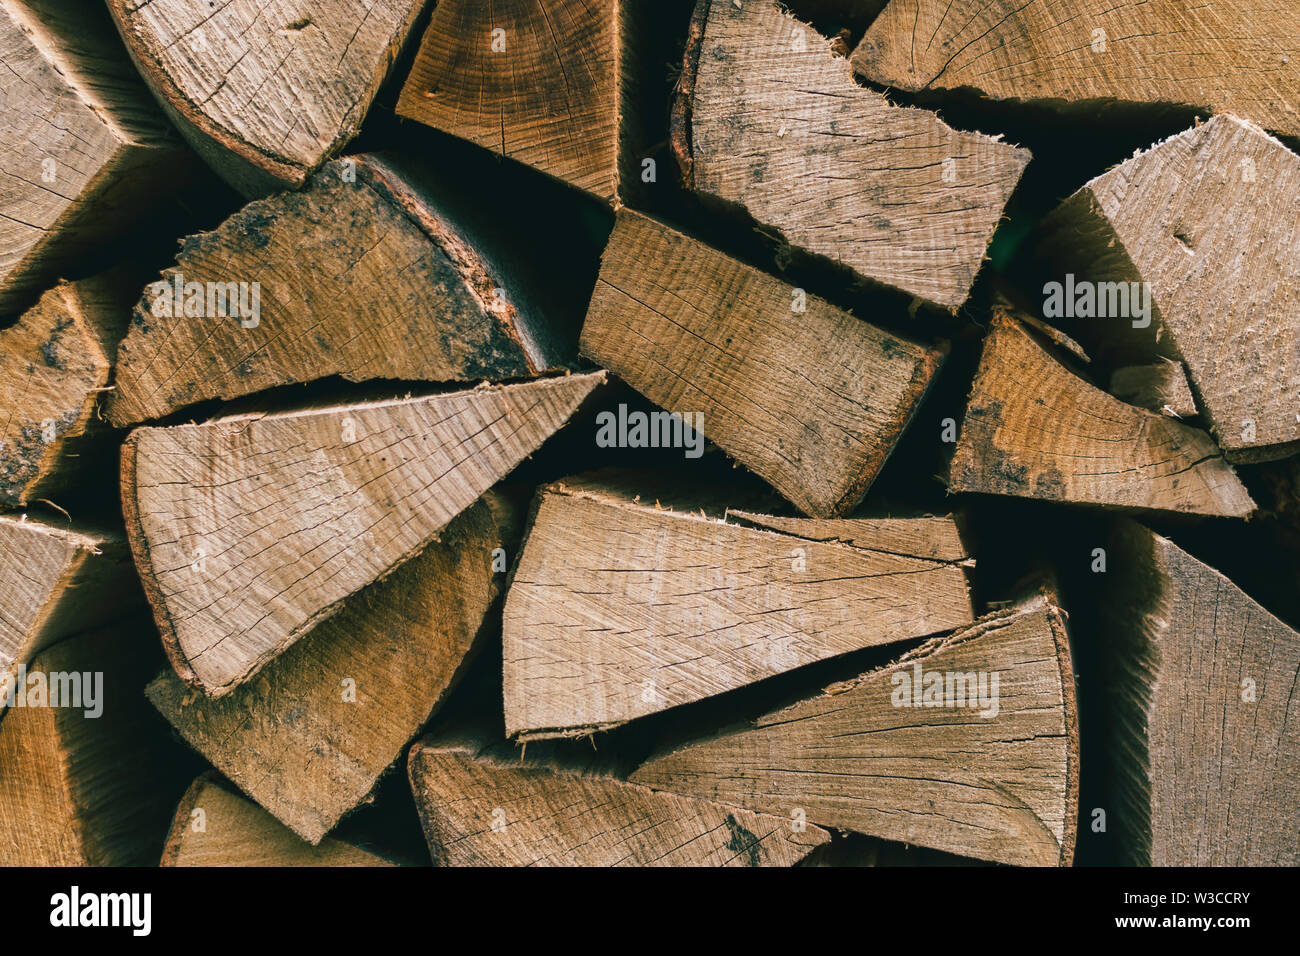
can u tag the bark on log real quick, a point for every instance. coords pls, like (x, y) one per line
(618, 609)
(482, 810)
(310, 735)
(215, 826)
(54, 368)
(86, 149)
(367, 274)
(1206, 223)
(1035, 429)
(1234, 57)
(249, 530)
(265, 92)
(1000, 787)
(54, 583)
(775, 123)
(812, 401)
(1202, 735)
(81, 790)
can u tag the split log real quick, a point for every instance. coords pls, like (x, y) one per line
(215, 826)
(250, 530)
(1238, 58)
(1035, 429)
(481, 810)
(773, 122)
(996, 780)
(548, 84)
(86, 150)
(367, 274)
(1202, 734)
(87, 774)
(1204, 224)
(1160, 386)
(310, 735)
(811, 401)
(54, 583)
(54, 366)
(263, 92)
(618, 609)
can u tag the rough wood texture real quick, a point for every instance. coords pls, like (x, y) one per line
(249, 530)
(1160, 386)
(310, 735)
(1206, 219)
(1035, 429)
(812, 401)
(85, 148)
(1001, 788)
(53, 583)
(618, 609)
(77, 790)
(365, 275)
(54, 366)
(1241, 57)
(552, 817)
(216, 827)
(265, 92)
(546, 90)
(1202, 729)
(778, 126)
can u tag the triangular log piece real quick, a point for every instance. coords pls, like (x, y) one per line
(1224, 57)
(1160, 386)
(309, 736)
(54, 367)
(86, 149)
(54, 583)
(1202, 728)
(483, 810)
(1035, 429)
(808, 397)
(777, 125)
(87, 770)
(618, 609)
(544, 83)
(250, 530)
(366, 274)
(968, 744)
(265, 92)
(1201, 231)
(215, 826)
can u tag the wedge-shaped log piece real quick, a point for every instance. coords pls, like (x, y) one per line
(1035, 429)
(310, 735)
(774, 123)
(216, 826)
(1203, 732)
(249, 530)
(618, 609)
(483, 810)
(54, 366)
(967, 744)
(1204, 225)
(545, 83)
(265, 92)
(366, 275)
(86, 149)
(812, 402)
(87, 771)
(1160, 386)
(54, 583)
(1236, 57)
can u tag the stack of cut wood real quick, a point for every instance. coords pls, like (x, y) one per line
(538, 459)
